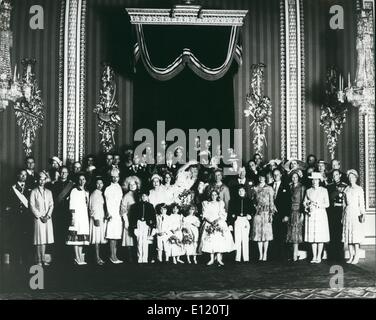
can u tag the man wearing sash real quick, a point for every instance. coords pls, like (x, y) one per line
(61, 217)
(20, 219)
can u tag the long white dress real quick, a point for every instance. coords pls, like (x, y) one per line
(175, 223)
(113, 195)
(169, 194)
(221, 240)
(353, 230)
(127, 201)
(191, 223)
(79, 233)
(96, 210)
(42, 204)
(316, 221)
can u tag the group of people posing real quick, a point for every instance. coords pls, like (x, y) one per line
(174, 211)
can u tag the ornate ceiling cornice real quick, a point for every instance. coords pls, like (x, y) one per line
(187, 15)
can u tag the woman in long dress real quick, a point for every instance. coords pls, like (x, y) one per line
(216, 238)
(113, 196)
(97, 222)
(78, 232)
(295, 224)
(132, 184)
(262, 229)
(353, 216)
(315, 202)
(41, 205)
(169, 188)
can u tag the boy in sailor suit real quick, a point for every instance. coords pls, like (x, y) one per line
(163, 232)
(241, 209)
(141, 222)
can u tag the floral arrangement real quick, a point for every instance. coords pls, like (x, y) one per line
(29, 109)
(185, 200)
(333, 112)
(174, 240)
(107, 110)
(259, 107)
(213, 228)
(187, 237)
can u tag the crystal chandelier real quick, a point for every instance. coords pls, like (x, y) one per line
(362, 93)
(9, 88)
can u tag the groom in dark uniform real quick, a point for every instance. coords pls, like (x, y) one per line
(20, 220)
(282, 202)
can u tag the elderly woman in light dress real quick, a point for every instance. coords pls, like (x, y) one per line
(353, 216)
(131, 184)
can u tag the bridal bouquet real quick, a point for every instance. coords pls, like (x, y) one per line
(185, 199)
(187, 237)
(174, 240)
(213, 228)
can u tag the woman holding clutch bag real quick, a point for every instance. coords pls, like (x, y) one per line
(315, 203)
(353, 216)
(97, 224)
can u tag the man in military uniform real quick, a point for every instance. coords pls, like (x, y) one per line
(20, 220)
(336, 196)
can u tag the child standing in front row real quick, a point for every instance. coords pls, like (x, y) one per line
(191, 223)
(176, 234)
(163, 232)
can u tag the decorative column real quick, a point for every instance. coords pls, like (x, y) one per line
(292, 80)
(367, 161)
(72, 80)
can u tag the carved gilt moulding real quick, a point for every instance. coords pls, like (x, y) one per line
(187, 15)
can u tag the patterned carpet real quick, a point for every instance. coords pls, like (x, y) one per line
(271, 280)
(282, 294)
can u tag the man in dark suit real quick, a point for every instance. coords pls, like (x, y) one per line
(240, 180)
(20, 222)
(336, 197)
(282, 202)
(31, 177)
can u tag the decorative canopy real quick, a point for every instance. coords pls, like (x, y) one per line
(187, 15)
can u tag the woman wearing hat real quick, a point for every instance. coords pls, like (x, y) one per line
(41, 205)
(157, 194)
(295, 223)
(97, 223)
(262, 229)
(78, 232)
(132, 185)
(113, 196)
(353, 216)
(315, 202)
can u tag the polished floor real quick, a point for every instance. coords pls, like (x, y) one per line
(264, 280)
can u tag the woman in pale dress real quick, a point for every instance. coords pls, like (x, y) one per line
(191, 223)
(41, 205)
(353, 216)
(78, 232)
(216, 237)
(262, 229)
(97, 222)
(315, 202)
(113, 196)
(295, 223)
(132, 184)
(169, 188)
(175, 224)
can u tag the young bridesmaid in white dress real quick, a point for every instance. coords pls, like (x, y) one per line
(175, 222)
(191, 224)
